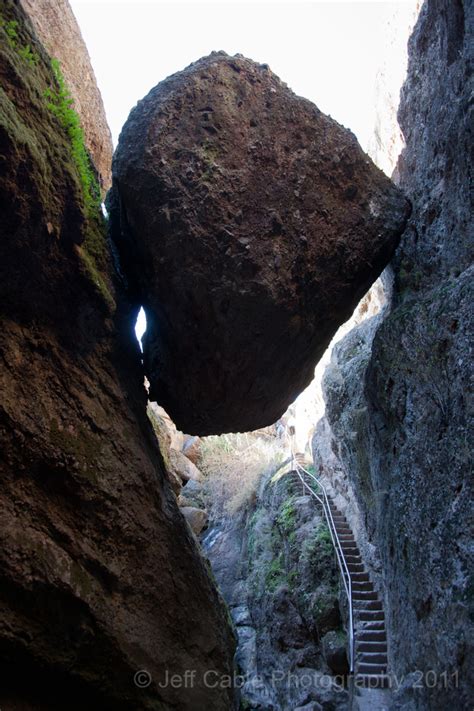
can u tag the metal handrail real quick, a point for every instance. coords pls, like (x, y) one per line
(346, 578)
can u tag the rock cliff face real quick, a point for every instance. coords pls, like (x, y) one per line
(57, 29)
(398, 409)
(100, 576)
(249, 225)
(421, 368)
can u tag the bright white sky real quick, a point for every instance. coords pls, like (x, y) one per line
(325, 51)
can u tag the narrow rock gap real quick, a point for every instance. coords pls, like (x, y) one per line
(140, 326)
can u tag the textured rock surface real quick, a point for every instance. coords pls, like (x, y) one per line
(340, 450)
(57, 29)
(275, 566)
(99, 574)
(197, 518)
(249, 225)
(401, 409)
(420, 372)
(387, 141)
(192, 448)
(165, 428)
(183, 467)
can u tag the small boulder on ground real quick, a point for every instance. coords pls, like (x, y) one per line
(183, 467)
(335, 654)
(192, 448)
(192, 492)
(197, 518)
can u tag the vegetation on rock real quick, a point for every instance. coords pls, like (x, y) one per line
(273, 558)
(234, 465)
(60, 102)
(39, 118)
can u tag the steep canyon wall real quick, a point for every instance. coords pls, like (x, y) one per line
(396, 437)
(100, 577)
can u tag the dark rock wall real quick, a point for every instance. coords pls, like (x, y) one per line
(100, 576)
(407, 449)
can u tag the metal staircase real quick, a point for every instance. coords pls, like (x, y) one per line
(370, 638)
(366, 625)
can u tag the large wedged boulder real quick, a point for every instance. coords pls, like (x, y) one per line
(249, 225)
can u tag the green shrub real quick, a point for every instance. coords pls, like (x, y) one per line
(286, 518)
(10, 29)
(27, 54)
(234, 465)
(275, 574)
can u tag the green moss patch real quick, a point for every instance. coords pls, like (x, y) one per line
(60, 103)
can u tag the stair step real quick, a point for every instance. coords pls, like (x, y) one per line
(345, 537)
(371, 668)
(364, 595)
(373, 681)
(355, 567)
(370, 615)
(371, 635)
(371, 605)
(362, 586)
(370, 646)
(371, 626)
(350, 550)
(360, 578)
(372, 658)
